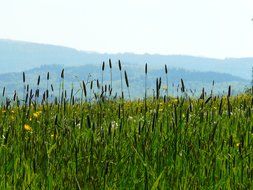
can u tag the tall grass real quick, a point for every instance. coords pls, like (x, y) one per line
(99, 143)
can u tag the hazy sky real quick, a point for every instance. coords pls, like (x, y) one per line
(213, 28)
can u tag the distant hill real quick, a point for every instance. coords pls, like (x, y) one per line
(16, 56)
(75, 75)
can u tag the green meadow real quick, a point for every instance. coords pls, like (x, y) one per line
(100, 140)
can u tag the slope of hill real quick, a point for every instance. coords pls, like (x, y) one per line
(16, 56)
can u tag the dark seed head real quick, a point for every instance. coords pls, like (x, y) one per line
(229, 91)
(84, 89)
(119, 65)
(91, 84)
(160, 83)
(27, 88)
(110, 63)
(52, 88)
(183, 87)
(62, 74)
(126, 79)
(103, 66)
(3, 91)
(38, 82)
(23, 77)
(98, 85)
(15, 95)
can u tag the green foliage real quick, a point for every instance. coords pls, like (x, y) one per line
(101, 141)
(177, 144)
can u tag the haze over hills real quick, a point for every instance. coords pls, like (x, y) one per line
(37, 59)
(16, 56)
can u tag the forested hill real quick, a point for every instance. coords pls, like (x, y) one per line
(75, 75)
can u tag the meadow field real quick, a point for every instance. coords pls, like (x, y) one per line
(101, 140)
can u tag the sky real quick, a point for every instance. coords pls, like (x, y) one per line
(209, 28)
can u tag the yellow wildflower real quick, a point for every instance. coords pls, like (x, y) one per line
(27, 127)
(36, 114)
